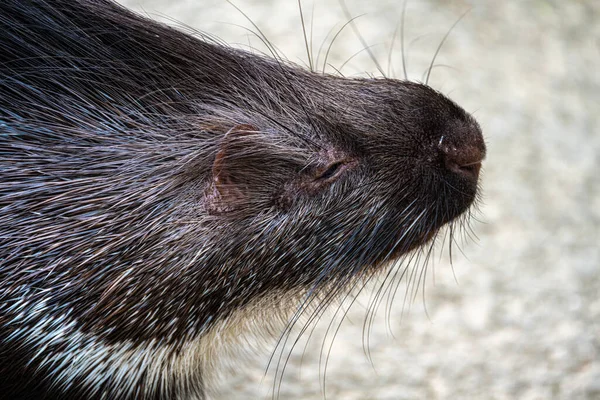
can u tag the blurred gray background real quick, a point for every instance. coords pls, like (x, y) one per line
(522, 318)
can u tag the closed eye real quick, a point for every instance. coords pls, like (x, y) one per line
(331, 171)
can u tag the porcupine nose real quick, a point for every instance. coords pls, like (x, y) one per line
(464, 161)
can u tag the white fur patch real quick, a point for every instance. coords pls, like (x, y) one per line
(124, 369)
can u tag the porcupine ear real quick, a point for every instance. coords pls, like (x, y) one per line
(233, 166)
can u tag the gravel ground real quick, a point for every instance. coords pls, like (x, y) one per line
(522, 318)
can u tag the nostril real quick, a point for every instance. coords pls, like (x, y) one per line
(465, 162)
(472, 169)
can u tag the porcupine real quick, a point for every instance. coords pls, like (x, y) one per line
(155, 185)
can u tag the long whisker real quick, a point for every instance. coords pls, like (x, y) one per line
(333, 40)
(442, 43)
(402, 40)
(360, 37)
(308, 48)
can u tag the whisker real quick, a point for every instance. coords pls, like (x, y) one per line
(360, 37)
(442, 43)
(308, 48)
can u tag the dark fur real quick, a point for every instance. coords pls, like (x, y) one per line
(152, 183)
